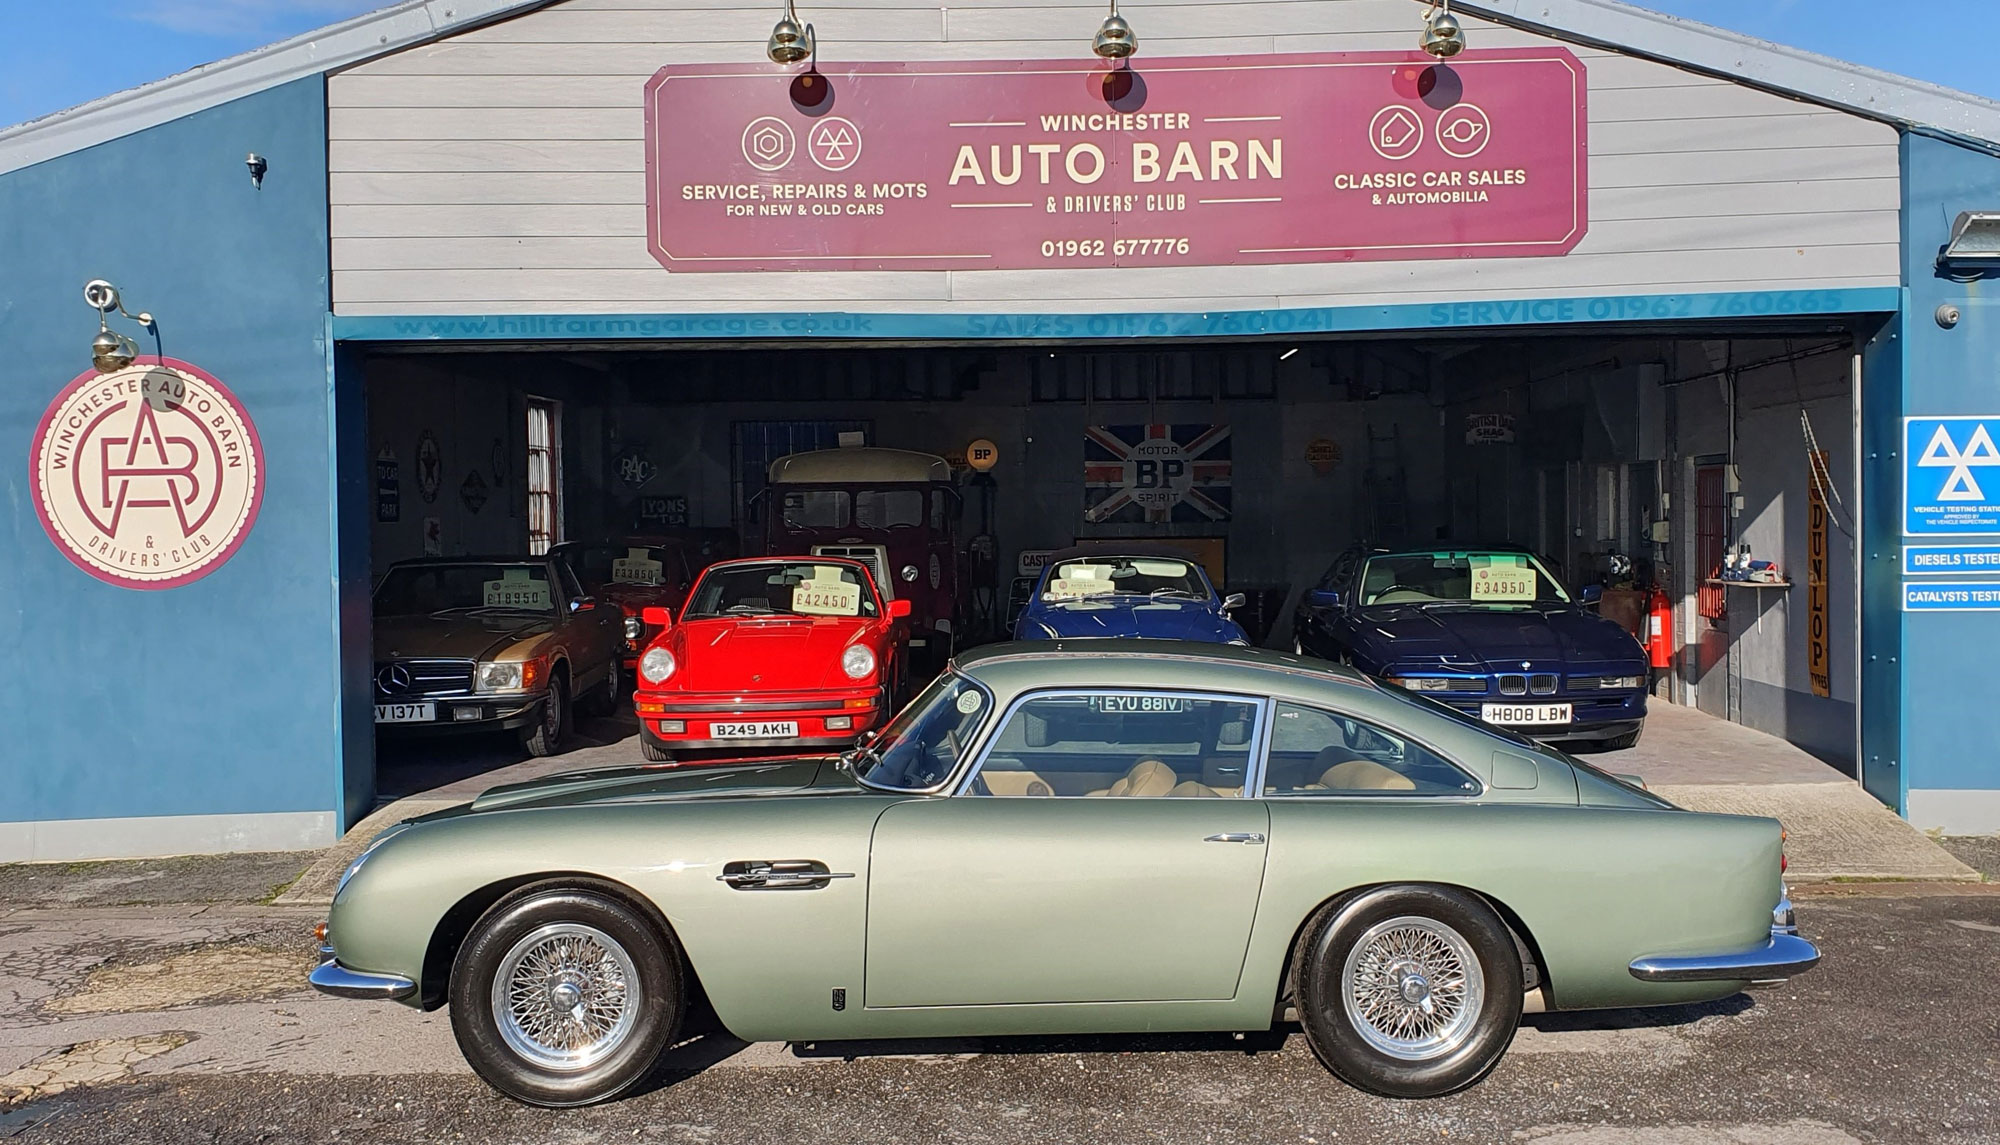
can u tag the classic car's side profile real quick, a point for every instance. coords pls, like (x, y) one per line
(1124, 589)
(471, 644)
(1077, 837)
(783, 652)
(1487, 629)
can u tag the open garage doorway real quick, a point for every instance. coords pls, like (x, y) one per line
(1714, 467)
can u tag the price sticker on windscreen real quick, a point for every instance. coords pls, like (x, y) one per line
(827, 594)
(635, 567)
(517, 589)
(1502, 578)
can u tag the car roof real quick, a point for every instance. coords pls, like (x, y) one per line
(1192, 664)
(1453, 547)
(420, 562)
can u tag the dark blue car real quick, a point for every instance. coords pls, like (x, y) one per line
(1127, 590)
(1488, 630)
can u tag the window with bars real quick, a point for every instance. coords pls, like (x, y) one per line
(544, 475)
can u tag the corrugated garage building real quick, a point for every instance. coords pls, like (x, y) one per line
(1619, 287)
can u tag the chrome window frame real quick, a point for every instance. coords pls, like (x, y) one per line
(1480, 785)
(1253, 763)
(981, 735)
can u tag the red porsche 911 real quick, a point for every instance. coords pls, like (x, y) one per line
(778, 652)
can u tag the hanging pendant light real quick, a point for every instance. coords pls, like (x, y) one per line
(1115, 39)
(1443, 37)
(790, 42)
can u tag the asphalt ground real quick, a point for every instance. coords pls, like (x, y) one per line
(187, 1024)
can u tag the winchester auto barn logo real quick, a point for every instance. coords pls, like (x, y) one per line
(147, 477)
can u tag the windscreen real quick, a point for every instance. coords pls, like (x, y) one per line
(781, 588)
(1460, 577)
(423, 590)
(1106, 576)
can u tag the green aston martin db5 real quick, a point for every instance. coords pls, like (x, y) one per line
(1063, 838)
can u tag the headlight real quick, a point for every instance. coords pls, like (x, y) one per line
(1437, 683)
(510, 676)
(858, 662)
(656, 665)
(1621, 681)
(634, 628)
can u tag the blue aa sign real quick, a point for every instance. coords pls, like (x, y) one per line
(1951, 476)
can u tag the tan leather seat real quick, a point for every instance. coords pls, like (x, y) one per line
(1364, 775)
(1148, 778)
(1193, 790)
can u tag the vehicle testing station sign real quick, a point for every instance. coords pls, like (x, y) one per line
(1200, 161)
(1951, 476)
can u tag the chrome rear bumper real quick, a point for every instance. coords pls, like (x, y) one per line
(1783, 956)
(330, 977)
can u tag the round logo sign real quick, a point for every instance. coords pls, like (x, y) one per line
(148, 477)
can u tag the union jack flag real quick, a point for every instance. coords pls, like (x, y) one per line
(1156, 473)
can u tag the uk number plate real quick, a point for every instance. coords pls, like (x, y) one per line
(768, 729)
(1526, 715)
(405, 713)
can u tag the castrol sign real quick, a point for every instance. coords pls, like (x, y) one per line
(1000, 165)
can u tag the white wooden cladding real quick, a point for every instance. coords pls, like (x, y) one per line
(502, 170)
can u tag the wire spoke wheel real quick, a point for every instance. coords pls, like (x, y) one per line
(566, 996)
(1413, 988)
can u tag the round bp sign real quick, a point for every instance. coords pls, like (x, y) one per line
(147, 477)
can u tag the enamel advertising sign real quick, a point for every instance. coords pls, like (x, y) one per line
(999, 165)
(148, 477)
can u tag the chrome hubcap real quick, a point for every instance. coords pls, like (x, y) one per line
(566, 996)
(1412, 988)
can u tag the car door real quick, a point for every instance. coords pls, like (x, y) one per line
(593, 633)
(1100, 852)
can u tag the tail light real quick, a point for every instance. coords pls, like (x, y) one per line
(1783, 864)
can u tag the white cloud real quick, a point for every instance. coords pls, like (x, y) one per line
(233, 19)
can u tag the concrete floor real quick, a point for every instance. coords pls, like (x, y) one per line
(188, 1024)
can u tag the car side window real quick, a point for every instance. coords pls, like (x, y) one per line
(570, 584)
(1315, 752)
(1111, 744)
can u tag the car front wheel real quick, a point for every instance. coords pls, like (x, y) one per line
(1410, 991)
(563, 996)
(545, 735)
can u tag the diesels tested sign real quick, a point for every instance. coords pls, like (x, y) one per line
(1011, 165)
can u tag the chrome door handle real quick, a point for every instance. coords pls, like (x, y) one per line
(779, 875)
(1251, 837)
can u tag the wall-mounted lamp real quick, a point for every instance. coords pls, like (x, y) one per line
(257, 166)
(790, 42)
(1974, 242)
(1115, 39)
(111, 351)
(1442, 36)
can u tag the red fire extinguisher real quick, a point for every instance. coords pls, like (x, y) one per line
(1660, 628)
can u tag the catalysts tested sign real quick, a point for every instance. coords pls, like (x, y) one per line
(1200, 161)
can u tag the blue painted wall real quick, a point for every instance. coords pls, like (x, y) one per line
(219, 697)
(1950, 724)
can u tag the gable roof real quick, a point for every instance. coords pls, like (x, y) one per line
(1609, 24)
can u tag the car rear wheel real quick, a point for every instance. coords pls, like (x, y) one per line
(563, 997)
(1409, 991)
(545, 736)
(605, 701)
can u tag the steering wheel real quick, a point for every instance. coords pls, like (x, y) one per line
(1393, 588)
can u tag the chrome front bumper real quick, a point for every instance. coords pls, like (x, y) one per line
(1784, 955)
(330, 977)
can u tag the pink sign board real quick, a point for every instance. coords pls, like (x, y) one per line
(1002, 165)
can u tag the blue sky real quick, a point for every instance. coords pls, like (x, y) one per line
(57, 53)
